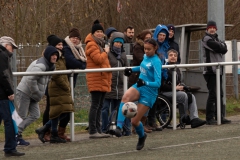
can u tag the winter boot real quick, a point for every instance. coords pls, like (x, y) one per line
(47, 136)
(61, 134)
(41, 132)
(143, 120)
(56, 139)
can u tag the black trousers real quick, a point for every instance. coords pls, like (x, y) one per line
(211, 107)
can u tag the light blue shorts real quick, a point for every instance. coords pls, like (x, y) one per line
(147, 96)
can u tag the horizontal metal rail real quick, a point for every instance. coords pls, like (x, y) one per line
(125, 83)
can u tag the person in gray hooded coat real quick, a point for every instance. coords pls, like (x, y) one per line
(31, 90)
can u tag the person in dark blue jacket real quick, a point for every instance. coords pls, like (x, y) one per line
(73, 52)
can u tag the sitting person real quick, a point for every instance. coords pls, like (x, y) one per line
(182, 97)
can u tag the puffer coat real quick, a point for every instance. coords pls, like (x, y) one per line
(60, 92)
(97, 81)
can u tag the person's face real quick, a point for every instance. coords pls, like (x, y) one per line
(9, 47)
(212, 30)
(171, 33)
(161, 37)
(75, 40)
(130, 33)
(59, 46)
(172, 57)
(148, 36)
(149, 49)
(53, 58)
(117, 44)
(99, 34)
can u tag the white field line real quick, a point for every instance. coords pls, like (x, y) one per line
(170, 146)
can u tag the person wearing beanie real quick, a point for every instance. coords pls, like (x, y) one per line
(31, 89)
(7, 46)
(213, 51)
(57, 42)
(117, 58)
(73, 52)
(53, 40)
(99, 83)
(173, 44)
(109, 32)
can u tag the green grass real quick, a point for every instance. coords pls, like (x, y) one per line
(233, 108)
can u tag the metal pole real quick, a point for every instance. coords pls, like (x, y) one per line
(218, 95)
(235, 68)
(72, 113)
(183, 56)
(174, 110)
(125, 83)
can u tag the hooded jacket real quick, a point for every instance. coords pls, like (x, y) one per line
(34, 86)
(213, 51)
(163, 47)
(117, 77)
(6, 76)
(97, 81)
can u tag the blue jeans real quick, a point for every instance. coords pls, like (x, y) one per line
(10, 136)
(112, 104)
(54, 122)
(108, 106)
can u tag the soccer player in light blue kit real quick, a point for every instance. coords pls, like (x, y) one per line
(145, 91)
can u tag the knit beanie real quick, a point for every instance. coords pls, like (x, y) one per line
(96, 26)
(53, 40)
(109, 31)
(74, 32)
(118, 40)
(171, 27)
(211, 24)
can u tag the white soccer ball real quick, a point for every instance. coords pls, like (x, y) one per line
(129, 109)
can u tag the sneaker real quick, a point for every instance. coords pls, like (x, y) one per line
(196, 122)
(98, 135)
(105, 135)
(21, 141)
(118, 132)
(13, 153)
(225, 121)
(211, 122)
(141, 142)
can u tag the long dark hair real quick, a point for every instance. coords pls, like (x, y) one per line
(152, 42)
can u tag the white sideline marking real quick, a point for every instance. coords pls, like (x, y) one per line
(171, 146)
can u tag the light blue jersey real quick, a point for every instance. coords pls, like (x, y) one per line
(150, 73)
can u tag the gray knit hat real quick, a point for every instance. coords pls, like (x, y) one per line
(6, 39)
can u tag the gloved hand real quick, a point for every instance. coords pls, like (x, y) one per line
(128, 72)
(140, 83)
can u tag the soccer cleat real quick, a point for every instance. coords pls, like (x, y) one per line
(141, 142)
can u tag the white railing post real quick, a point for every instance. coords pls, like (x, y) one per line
(72, 113)
(174, 108)
(218, 95)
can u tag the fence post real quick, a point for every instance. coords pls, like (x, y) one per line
(174, 110)
(72, 113)
(235, 68)
(218, 95)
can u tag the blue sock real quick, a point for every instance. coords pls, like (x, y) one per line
(140, 130)
(120, 117)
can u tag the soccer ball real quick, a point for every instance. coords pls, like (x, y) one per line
(129, 109)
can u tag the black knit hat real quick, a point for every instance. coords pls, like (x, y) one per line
(53, 40)
(74, 32)
(96, 26)
(211, 24)
(171, 27)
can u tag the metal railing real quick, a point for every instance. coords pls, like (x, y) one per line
(71, 72)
